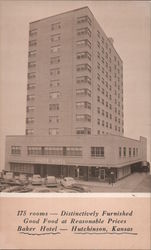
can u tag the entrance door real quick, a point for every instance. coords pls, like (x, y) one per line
(102, 174)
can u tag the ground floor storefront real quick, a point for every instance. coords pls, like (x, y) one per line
(87, 173)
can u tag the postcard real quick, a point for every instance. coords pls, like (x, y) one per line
(75, 125)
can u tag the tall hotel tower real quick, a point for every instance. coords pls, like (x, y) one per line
(75, 78)
(74, 113)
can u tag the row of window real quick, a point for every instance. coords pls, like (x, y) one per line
(55, 150)
(83, 92)
(83, 67)
(128, 152)
(23, 168)
(72, 151)
(79, 105)
(62, 151)
(84, 31)
(110, 107)
(79, 117)
(83, 117)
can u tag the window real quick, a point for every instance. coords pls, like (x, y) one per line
(31, 86)
(83, 79)
(33, 150)
(84, 19)
(31, 64)
(98, 76)
(30, 108)
(30, 120)
(53, 131)
(98, 65)
(102, 112)
(15, 150)
(29, 131)
(30, 97)
(130, 152)
(83, 67)
(55, 26)
(84, 43)
(54, 60)
(52, 150)
(98, 33)
(83, 117)
(133, 151)
(84, 55)
(102, 59)
(55, 49)
(33, 32)
(83, 92)
(32, 53)
(54, 119)
(53, 106)
(83, 131)
(98, 121)
(98, 98)
(31, 75)
(32, 43)
(55, 72)
(98, 44)
(21, 168)
(124, 151)
(54, 83)
(54, 95)
(120, 151)
(98, 87)
(72, 151)
(98, 110)
(97, 151)
(55, 38)
(86, 105)
(84, 31)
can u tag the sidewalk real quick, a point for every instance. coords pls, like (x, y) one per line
(131, 183)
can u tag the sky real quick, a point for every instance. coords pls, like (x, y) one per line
(128, 22)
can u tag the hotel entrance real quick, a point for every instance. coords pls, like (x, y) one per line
(96, 173)
(102, 174)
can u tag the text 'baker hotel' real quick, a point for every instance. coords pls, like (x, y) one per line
(74, 113)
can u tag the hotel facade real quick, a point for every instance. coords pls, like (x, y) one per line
(74, 113)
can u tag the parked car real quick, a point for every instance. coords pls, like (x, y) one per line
(68, 182)
(8, 176)
(23, 179)
(51, 181)
(36, 180)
